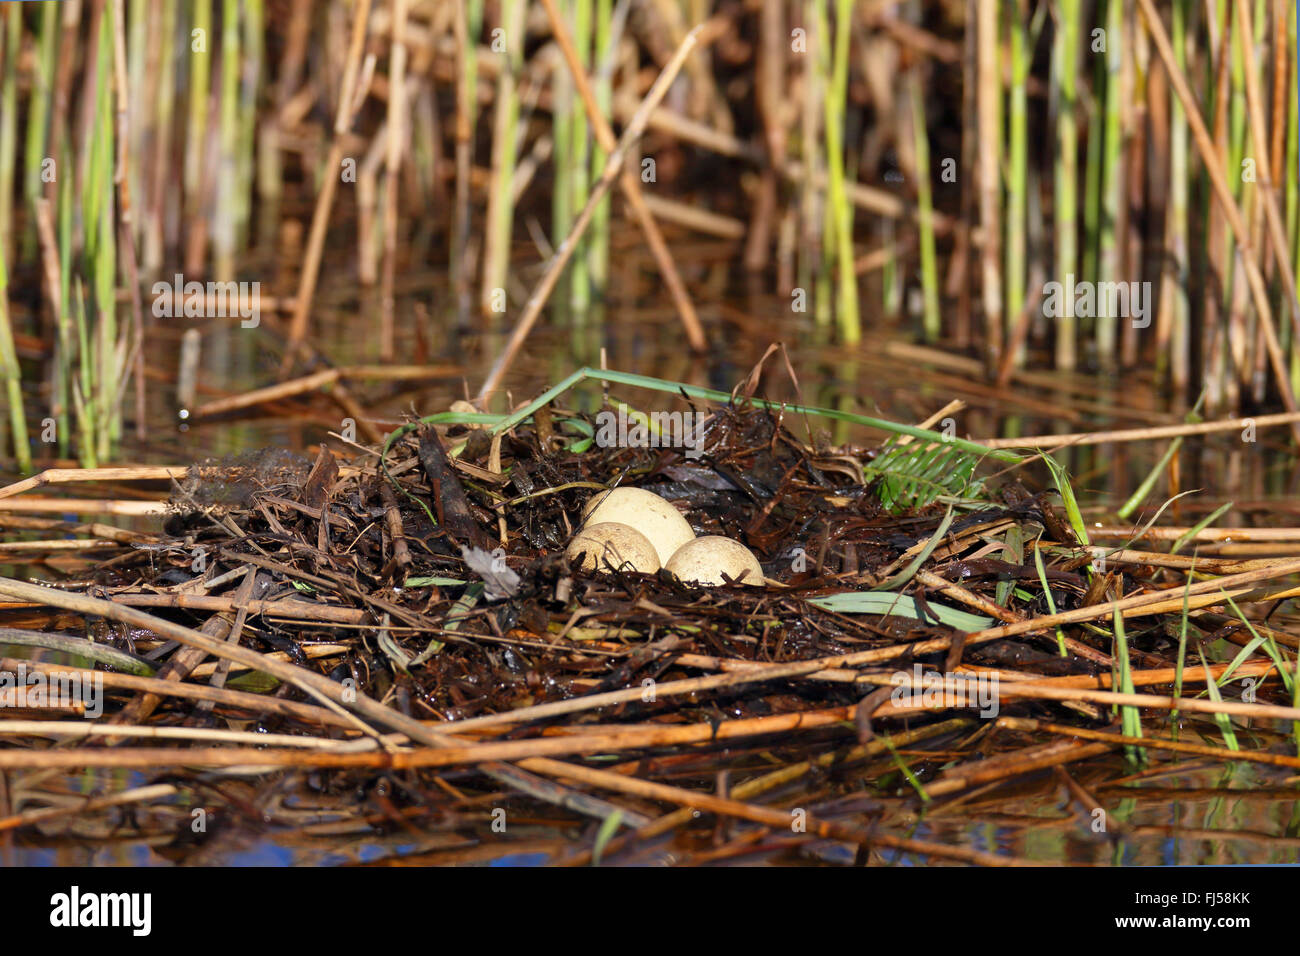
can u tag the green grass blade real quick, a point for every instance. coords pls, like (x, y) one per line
(1225, 724)
(890, 603)
(1130, 720)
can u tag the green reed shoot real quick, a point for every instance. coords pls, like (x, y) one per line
(250, 80)
(156, 199)
(1065, 61)
(1047, 597)
(1130, 719)
(1224, 721)
(1092, 198)
(1112, 176)
(66, 347)
(223, 225)
(603, 89)
(1016, 217)
(38, 120)
(11, 22)
(1177, 232)
(101, 249)
(9, 371)
(563, 207)
(925, 204)
(139, 119)
(84, 387)
(580, 159)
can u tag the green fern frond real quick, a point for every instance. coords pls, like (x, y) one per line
(918, 473)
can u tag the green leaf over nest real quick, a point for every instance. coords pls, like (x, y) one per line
(900, 605)
(917, 473)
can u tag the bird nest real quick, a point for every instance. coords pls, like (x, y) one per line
(395, 646)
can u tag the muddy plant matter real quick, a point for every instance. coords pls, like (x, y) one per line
(388, 644)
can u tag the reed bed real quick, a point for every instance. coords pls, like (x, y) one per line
(1108, 146)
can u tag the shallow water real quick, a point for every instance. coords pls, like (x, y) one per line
(1176, 813)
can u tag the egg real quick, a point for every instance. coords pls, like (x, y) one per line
(645, 511)
(705, 560)
(608, 544)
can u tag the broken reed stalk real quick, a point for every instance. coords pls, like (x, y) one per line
(12, 375)
(468, 21)
(1155, 743)
(1054, 442)
(56, 476)
(332, 753)
(311, 714)
(838, 210)
(1029, 689)
(329, 185)
(88, 506)
(564, 252)
(394, 147)
(65, 729)
(501, 200)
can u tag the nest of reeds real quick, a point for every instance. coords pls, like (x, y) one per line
(403, 650)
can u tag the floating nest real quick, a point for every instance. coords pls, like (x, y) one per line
(432, 677)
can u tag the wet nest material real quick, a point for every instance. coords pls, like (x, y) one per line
(335, 655)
